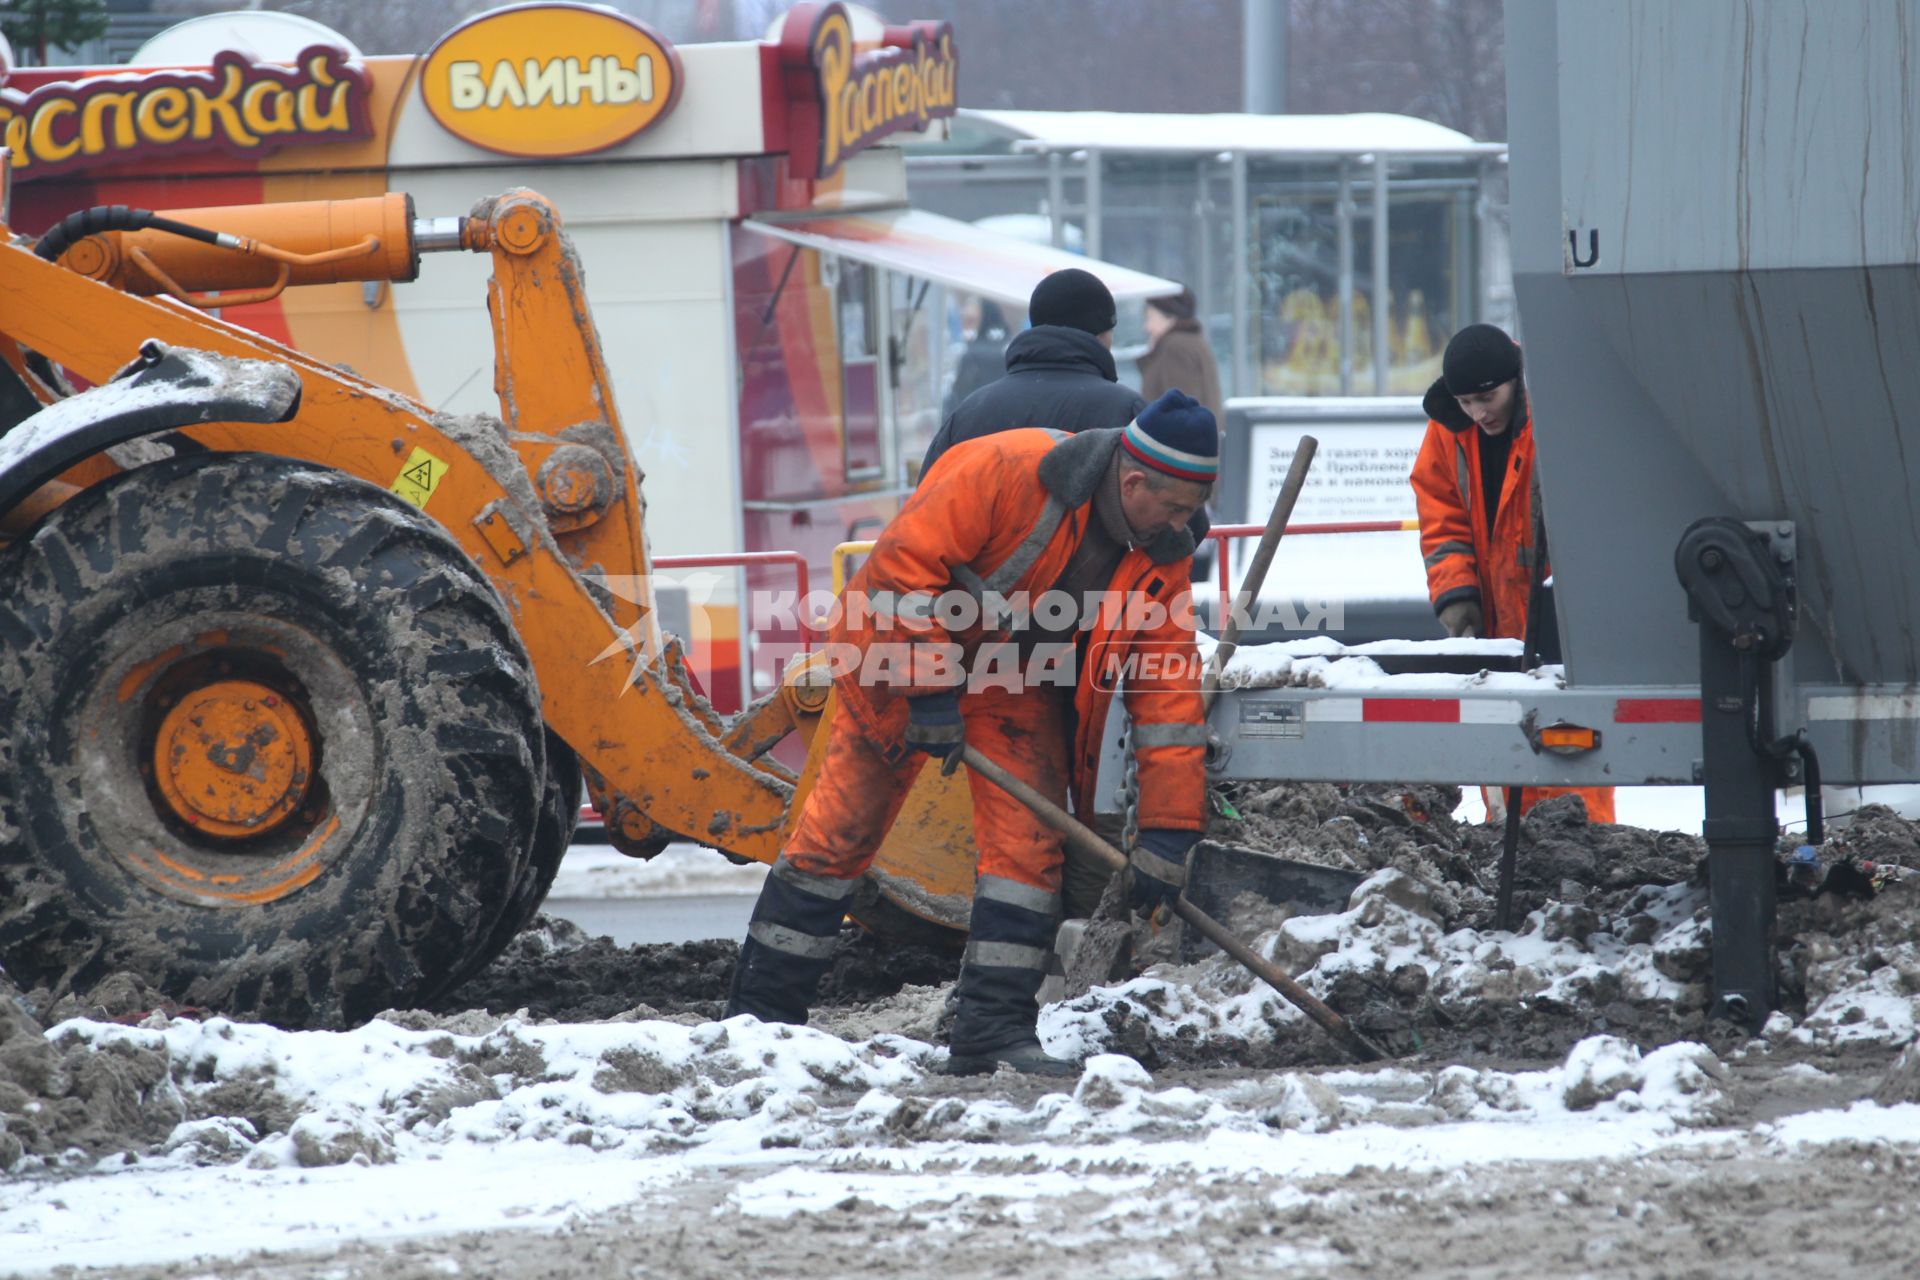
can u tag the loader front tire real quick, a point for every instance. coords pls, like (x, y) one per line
(552, 836)
(268, 741)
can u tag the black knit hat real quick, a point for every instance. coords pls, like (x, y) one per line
(1074, 298)
(1479, 358)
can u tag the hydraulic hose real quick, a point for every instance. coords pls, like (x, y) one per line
(1810, 776)
(113, 217)
(1759, 736)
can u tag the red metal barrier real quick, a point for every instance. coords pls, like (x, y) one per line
(1221, 532)
(1219, 535)
(744, 559)
(741, 559)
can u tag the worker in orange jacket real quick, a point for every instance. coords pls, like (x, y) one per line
(1030, 573)
(1474, 484)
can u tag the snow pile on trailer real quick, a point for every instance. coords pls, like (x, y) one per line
(1320, 662)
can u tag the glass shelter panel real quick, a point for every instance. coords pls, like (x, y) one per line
(1175, 215)
(862, 455)
(926, 340)
(1295, 256)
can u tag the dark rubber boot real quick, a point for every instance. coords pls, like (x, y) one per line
(1028, 1058)
(1007, 953)
(789, 944)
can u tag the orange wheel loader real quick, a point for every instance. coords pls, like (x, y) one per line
(298, 679)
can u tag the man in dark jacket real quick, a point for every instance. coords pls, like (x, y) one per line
(1060, 372)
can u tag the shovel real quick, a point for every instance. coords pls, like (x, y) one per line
(1256, 569)
(1109, 931)
(1267, 971)
(1087, 841)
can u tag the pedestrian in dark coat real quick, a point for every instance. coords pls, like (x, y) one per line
(1060, 372)
(984, 358)
(1179, 355)
(1179, 358)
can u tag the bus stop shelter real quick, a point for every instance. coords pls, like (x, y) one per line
(1270, 220)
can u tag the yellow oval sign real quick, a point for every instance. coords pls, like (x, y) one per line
(549, 80)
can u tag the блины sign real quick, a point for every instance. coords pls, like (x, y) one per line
(550, 80)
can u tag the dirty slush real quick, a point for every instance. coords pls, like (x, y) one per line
(1615, 944)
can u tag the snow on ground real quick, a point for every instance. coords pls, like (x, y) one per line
(422, 1125)
(427, 1125)
(681, 870)
(1656, 808)
(412, 1132)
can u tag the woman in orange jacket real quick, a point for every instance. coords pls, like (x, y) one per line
(1029, 573)
(1475, 488)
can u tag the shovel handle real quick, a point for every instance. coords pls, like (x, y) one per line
(1256, 577)
(1085, 840)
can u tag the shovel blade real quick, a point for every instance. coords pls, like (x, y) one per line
(1218, 875)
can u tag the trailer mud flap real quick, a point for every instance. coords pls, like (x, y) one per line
(165, 389)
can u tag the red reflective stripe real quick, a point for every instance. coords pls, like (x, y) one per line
(1657, 711)
(1411, 711)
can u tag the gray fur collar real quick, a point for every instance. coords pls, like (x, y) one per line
(1074, 468)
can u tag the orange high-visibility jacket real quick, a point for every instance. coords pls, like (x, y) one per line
(1465, 559)
(1002, 514)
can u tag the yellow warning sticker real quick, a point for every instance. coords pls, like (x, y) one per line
(419, 477)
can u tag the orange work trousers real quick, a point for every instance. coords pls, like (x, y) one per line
(862, 784)
(1599, 799)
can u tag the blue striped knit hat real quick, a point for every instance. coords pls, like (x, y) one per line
(1176, 435)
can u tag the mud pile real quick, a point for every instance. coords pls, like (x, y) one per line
(1562, 857)
(1849, 925)
(1616, 939)
(60, 1099)
(555, 970)
(65, 1099)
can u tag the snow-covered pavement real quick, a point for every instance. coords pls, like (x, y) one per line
(406, 1133)
(598, 871)
(651, 1143)
(425, 1126)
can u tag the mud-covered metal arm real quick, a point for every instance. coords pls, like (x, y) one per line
(604, 691)
(556, 397)
(165, 389)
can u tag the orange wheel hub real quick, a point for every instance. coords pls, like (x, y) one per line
(233, 759)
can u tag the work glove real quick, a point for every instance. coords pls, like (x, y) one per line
(934, 726)
(1463, 618)
(1159, 866)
